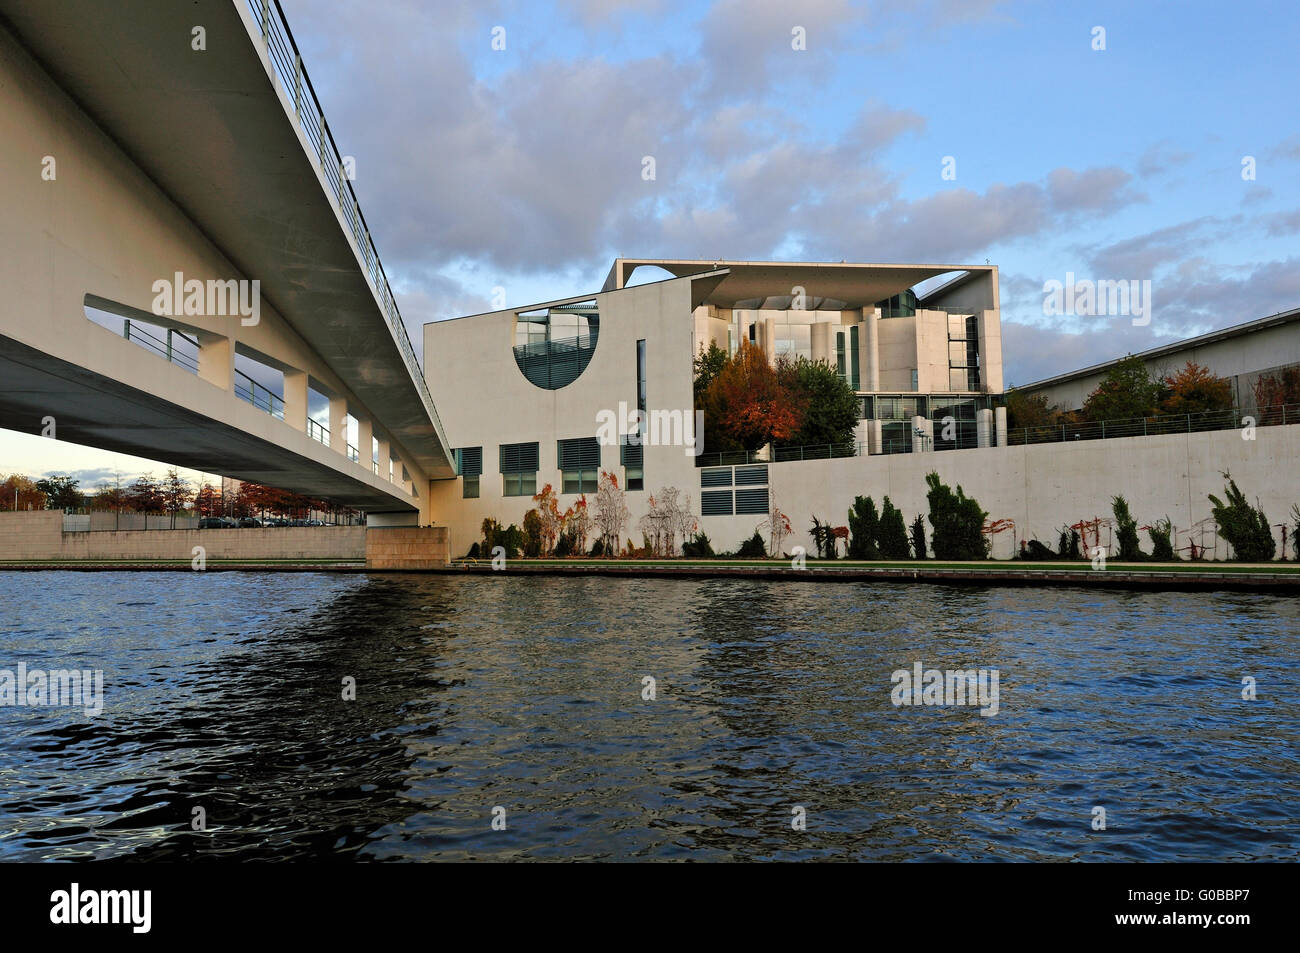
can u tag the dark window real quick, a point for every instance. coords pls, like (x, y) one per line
(469, 489)
(518, 464)
(719, 476)
(579, 462)
(640, 377)
(751, 476)
(632, 457)
(715, 503)
(752, 500)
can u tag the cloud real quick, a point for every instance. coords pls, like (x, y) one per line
(1140, 256)
(1095, 190)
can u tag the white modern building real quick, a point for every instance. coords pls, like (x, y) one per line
(523, 391)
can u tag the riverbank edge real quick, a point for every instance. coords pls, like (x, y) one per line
(1181, 578)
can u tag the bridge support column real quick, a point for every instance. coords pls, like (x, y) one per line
(1000, 425)
(365, 442)
(339, 425)
(295, 399)
(385, 459)
(217, 360)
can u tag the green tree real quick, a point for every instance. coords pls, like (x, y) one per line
(708, 365)
(864, 529)
(1244, 526)
(831, 408)
(1067, 544)
(1029, 410)
(918, 537)
(533, 535)
(1127, 390)
(61, 493)
(1126, 531)
(957, 521)
(893, 533)
(1162, 548)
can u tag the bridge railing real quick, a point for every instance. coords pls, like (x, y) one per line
(286, 60)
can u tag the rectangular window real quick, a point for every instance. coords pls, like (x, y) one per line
(715, 503)
(839, 354)
(751, 501)
(579, 462)
(751, 476)
(640, 376)
(469, 464)
(632, 457)
(853, 358)
(519, 484)
(519, 463)
(715, 476)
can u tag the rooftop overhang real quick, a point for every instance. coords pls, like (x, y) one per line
(212, 130)
(852, 284)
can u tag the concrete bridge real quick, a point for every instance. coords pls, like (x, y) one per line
(167, 171)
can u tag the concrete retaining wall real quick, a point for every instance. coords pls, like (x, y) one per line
(1040, 487)
(403, 547)
(39, 535)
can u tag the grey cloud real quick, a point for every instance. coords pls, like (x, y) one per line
(1100, 189)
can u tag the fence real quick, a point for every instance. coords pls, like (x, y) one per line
(106, 521)
(1233, 419)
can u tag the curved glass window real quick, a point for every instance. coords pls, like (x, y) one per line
(552, 347)
(899, 306)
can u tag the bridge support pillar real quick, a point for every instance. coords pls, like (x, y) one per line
(295, 399)
(385, 459)
(407, 547)
(365, 442)
(339, 424)
(217, 360)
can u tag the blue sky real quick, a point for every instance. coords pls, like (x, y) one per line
(521, 168)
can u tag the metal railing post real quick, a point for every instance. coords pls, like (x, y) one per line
(297, 86)
(266, 25)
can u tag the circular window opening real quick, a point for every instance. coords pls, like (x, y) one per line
(554, 346)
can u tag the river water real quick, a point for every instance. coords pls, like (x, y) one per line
(521, 703)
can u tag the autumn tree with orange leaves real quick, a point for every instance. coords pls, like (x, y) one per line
(747, 406)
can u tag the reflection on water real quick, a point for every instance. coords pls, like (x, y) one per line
(224, 692)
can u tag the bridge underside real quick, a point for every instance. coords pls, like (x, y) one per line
(97, 411)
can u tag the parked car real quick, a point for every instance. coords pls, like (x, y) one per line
(250, 522)
(216, 522)
(315, 523)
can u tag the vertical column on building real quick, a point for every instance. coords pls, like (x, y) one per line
(922, 435)
(1000, 425)
(295, 399)
(820, 340)
(983, 427)
(875, 436)
(871, 350)
(339, 424)
(385, 458)
(767, 338)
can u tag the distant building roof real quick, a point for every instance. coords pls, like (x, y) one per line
(1166, 350)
